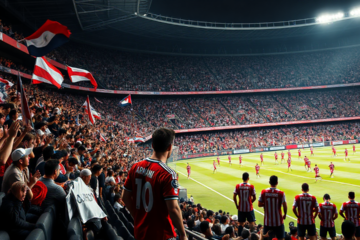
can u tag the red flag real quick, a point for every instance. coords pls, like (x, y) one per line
(102, 138)
(25, 110)
(8, 84)
(78, 75)
(44, 72)
(91, 117)
(97, 100)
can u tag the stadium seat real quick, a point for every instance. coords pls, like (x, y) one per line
(75, 228)
(4, 235)
(122, 217)
(45, 223)
(36, 234)
(130, 227)
(124, 233)
(1, 197)
(127, 215)
(51, 209)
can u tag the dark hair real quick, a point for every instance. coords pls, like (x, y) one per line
(162, 138)
(117, 197)
(305, 187)
(216, 229)
(209, 213)
(351, 195)
(190, 223)
(273, 180)
(50, 167)
(223, 219)
(2, 115)
(293, 230)
(48, 152)
(348, 229)
(229, 230)
(61, 131)
(327, 196)
(204, 226)
(81, 148)
(73, 160)
(245, 176)
(12, 113)
(28, 137)
(254, 236)
(96, 168)
(245, 233)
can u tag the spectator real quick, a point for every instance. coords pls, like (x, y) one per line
(206, 230)
(163, 182)
(224, 223)
(230, 231)
(13, 115)
(13, 217)
(118, 203)
(85, 175)
(94, 182)
(348, 230)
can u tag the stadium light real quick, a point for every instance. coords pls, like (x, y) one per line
(327, 18)
(355, 12)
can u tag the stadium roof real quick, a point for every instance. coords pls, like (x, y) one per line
(129, 24)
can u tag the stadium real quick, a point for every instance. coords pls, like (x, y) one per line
(153, 119)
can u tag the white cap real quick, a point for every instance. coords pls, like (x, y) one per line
(40, 132)
(19, 153)
(234, 217)
(85, 173)
(57, 110)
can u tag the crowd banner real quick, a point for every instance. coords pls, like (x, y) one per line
(84, 200)
(303, 146)
(277, 148)
(263, 149)
(241, 151)
(317, 144)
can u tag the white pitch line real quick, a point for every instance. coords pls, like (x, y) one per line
(230, 198)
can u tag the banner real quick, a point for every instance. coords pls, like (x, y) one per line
(353, 141)
(260, 149)
(241, 151)
(170, 116)
(277, 148)
(317, 144)
(241, 111)
(303, 146)
(337, 143)
(85, 201)
(291, 146)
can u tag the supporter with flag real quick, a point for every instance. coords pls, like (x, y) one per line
(126, 101)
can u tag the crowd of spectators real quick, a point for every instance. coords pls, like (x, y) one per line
(249, 139)
(7, 29)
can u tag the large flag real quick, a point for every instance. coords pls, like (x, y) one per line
(91, 117)
(48, 37)
(126, 101)
(96, 114)
(102, 138)
(139, 139)
(78, 75)
(25, 110)
(44, 72)
(8, 84)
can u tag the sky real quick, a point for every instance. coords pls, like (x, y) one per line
(241, 11)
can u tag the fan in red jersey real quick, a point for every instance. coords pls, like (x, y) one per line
(247, 195)
(240, 160)
(262, 159)
(257, 169)
(327, 214)
(352, 213)
(306, 208)
(229, 157)
(188, 168)
(282, 157)
(276, 158)
(151, 193)
(332, 167)
(214, 165)
(272, 199)
(317, 173)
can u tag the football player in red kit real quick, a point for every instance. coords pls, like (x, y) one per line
(327, 214)
(299, 153)
(262, 159)
(312, 151)
(354, 151)
(229, 157)
(289, 164)
(282, 157)
(334, 151)
(276, 158)
(332, 167)
(218, 160)
(257, 169)
(240, 160)
(346, 155)
(351, 209)
(214, 165)
(188, 168)
(317, 173)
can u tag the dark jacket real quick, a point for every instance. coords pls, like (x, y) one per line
(13, 217)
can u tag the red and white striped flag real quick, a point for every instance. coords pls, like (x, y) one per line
(102, 138)
(91, 117)
(96, 114)
(25, 110)
(8, 84)
(78, 75)
(44, 72)
(97, 100)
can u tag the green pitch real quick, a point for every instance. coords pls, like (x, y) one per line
(215, 191)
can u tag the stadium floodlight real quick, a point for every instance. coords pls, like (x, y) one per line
(355, 12)
(327, 18)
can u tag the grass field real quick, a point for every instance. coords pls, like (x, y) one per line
(215, 191)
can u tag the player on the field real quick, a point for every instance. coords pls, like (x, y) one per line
(214, 165)
(240, 160)
(153, 178)
(282, 157)
(306, 209)
(247, 195)
(188, 168)
(218, 160)
(346, 155)
(352, 213)
(257, 169)
(262, 159)
(299, 152)
(276, 158)
(317, 172)
(334, 151)
(306, 163)
(331, 166)
(309, 165)
(327, 214)
(272, 199)
(289, 164)
(354, 149)
(229, 157)
(289, 153)
(312, 151)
